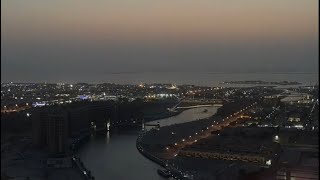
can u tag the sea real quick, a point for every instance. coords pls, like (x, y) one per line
(210, 79)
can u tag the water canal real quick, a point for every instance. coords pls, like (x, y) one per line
(114, 156)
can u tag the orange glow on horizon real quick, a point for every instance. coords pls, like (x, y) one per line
(155, 21)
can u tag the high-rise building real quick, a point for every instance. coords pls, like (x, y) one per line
(56, 126)
(50, 128)
(39, 126)
(57, 130)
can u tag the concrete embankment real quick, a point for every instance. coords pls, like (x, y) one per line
(174, 172)
(147, 154)
(83, 170)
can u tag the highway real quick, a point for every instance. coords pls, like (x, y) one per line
(172, 152)
(204, 105)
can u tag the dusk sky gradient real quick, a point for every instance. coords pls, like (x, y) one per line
(43, 40)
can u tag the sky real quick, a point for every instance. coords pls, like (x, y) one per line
(77, 39)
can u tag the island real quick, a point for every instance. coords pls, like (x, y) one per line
(263, 82)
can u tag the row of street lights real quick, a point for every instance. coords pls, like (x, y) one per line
(212, 125)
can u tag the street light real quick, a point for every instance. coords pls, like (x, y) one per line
(268, 162)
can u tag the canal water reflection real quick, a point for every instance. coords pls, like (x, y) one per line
(186, 116)
(115, 157)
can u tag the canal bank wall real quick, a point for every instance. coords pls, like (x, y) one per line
(82, 169)
(146, 153)
(83, 139)
(199, 124)
(174, 172)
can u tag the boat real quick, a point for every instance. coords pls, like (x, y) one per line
(164, 173)
(206, 110)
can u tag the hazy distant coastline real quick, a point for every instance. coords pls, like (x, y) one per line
(178, 78)
(263, 82)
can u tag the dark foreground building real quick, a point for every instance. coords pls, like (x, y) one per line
(57, 128)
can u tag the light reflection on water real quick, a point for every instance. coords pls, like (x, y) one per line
(114, 155)
(186, 116)
(108, 137)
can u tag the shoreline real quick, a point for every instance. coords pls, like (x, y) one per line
(157, 160)
(163, 162)
(149, 156)
(260, 82)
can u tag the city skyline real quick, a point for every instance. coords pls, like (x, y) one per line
(180, 89)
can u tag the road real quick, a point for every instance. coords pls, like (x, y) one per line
(216, 126)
